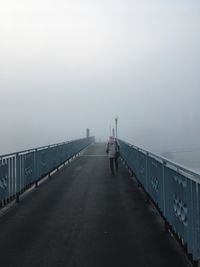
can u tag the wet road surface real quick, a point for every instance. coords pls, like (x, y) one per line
(83, 216)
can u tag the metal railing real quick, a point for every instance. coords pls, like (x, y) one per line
(173, 188)
(20, 170)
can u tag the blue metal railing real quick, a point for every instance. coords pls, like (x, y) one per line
(174, 189)
(20, 170)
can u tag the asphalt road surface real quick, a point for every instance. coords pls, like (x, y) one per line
(83, 216)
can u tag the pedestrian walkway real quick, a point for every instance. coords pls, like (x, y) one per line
(83, 216)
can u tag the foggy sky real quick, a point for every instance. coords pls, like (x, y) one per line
(66, 65)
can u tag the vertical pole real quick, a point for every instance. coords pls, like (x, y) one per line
(116, 120)
(18, 177)
(113, 132)
(116, 128)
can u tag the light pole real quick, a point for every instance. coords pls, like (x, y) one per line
(110, 130)
(113, 132)
(116, 120)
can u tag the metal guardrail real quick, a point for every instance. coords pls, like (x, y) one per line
(174, 189)
(20, 170)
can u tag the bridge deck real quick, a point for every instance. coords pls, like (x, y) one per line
(82, 216)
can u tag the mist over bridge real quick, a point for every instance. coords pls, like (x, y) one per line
(84, 216)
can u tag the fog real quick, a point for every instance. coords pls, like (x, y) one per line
(67, 65)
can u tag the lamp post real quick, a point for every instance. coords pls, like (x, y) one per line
(113, 132)
(116, 120)
(110, 130)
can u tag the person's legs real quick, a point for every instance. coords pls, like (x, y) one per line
(116, 164)
(112, 165)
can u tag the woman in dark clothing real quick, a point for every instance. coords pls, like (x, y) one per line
(112, 149)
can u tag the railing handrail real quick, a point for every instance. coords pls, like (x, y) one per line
(193, 174)
(22, 169)
(37, 148)
(174, 189)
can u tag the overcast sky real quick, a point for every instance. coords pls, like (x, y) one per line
(66, 65)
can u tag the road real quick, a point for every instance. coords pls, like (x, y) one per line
(82, 216)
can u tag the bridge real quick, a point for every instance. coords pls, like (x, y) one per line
(60, 206)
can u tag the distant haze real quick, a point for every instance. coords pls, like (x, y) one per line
(66, 65)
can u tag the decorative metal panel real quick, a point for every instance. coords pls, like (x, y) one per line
(3, 179)
(29, 168)
(175, 189)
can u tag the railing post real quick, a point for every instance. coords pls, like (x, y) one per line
(34, 168)
(164, 195)
(18, 178)
(146, 172)
(163, 181)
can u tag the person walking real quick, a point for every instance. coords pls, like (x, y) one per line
(112, 149)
